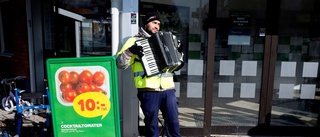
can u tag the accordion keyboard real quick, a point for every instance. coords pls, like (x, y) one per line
(148, 60)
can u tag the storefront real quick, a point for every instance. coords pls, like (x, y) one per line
(252, 66)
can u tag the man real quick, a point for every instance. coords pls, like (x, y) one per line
(154, 92)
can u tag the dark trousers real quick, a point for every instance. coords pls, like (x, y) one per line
(166, 101)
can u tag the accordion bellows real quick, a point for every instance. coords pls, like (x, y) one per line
(160, 53)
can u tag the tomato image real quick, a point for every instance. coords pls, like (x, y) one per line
(64, 77)
(98, 78)
(65, 87)
(78, 80)
(92, 86)
(69, 95)
(100, 90)
(74, 86)
(82, 88)
(85, 76)
(74, 77)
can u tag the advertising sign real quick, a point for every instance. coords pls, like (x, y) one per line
(239, 36)
(84, 97)
(240, 19)
(133, 18)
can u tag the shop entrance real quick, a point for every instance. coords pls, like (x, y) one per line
(265, 69)
(253, 72)
(240, 65)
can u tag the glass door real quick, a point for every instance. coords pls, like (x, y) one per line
(266, 68)
(238, 65)
(185, 20)
(296, 91)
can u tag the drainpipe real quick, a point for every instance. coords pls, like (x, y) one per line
(114, 26)
(77, 25)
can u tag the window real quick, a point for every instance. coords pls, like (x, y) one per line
(95, 22)
(6, 36)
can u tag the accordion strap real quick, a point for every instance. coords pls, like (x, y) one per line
(136, 74)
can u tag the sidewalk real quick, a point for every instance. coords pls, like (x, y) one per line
(31, 126)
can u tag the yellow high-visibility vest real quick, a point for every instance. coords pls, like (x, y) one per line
(158, 82)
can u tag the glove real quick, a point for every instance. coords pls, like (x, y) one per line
(138, 50)
(179, 67)
(179, 47)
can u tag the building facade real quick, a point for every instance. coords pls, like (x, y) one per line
(252, 66)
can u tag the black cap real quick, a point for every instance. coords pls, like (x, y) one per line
(151, 16)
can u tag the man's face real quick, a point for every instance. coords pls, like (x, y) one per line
(153, 27)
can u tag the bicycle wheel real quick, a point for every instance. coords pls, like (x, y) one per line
(26, 112)
(7, 104)
(3, 100)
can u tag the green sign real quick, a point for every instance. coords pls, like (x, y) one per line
(84, 97)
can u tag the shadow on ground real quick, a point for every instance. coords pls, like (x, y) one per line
(29, 128)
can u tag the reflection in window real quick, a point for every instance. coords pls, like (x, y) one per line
(95, 28)
(6, 39)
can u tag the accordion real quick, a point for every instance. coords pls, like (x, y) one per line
(160, 53)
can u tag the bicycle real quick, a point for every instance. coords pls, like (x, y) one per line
(9, 101)
(45, 105)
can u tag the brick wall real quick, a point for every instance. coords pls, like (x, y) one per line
(19, 63)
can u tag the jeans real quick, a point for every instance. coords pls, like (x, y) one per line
(166, 101)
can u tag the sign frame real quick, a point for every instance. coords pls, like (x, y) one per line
(99, 115)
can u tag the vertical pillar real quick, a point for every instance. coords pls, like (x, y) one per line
(128, 95)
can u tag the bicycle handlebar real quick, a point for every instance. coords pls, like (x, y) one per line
(5, 80)
(20, 77)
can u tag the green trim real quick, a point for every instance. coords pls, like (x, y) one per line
(194, 54)
(282, 57)
(235, 55)
(257, 56)
(284, 40)
(194, 38)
